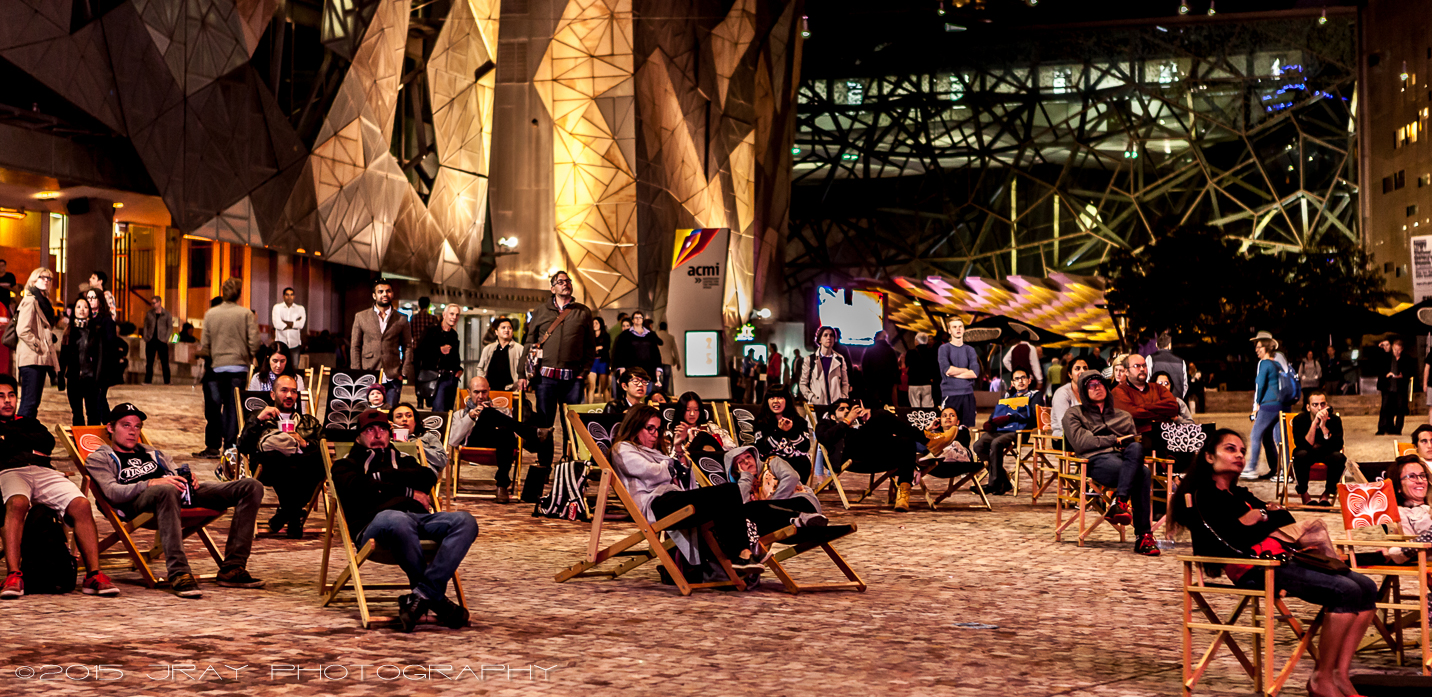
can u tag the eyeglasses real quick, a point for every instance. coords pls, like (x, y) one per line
(651, 429)
(638, 382)
(562, 282)
(1415, 477)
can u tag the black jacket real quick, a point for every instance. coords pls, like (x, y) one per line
(430, 355)
(1406, 366)
(632, 351)
(369, 481)
(1213, 522)
(20, 439)
(572, 345)
(1302, 422)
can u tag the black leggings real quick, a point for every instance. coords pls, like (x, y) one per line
(770, 516)
(720, 504)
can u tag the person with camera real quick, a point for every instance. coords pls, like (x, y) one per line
(137, 479)
(874, 441)
(284, 442)
(1318, 437)
(477, 424)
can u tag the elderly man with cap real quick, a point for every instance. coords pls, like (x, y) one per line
(1109, 440)
(138, 479)
(387, 497)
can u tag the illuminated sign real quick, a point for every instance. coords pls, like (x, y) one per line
(747, 332)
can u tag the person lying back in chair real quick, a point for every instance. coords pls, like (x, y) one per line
(407, 427)
(948, 440)
(874, 441)
(387, 497)
(478, 424)
(27, 478)
(774, 495)
(1109, 440)
(136, 480)
(284, 442)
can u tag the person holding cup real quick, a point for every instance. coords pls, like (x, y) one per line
(282, 444)
(408, 427)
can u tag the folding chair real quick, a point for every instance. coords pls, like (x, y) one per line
(1264, 611)
(1027, 445)
(798, 541)
(650, 532)
(81, 442)
(1404, 449)
(834, 478)
(510, 403)
(958, 477)
(1369, 506)
(350, 577)
(1318, 472)
(1078, 491)
(251, 402)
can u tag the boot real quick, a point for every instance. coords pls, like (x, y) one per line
(902, 497)
(534, 483)
(502, 495)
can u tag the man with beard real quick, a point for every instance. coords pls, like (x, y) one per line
(285, 443)
(381, 337)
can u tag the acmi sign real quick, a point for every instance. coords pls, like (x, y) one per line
(698, 271)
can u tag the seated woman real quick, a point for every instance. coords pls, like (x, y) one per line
(1409, 477)
(1184, 415)
(1226, 520)
(781, 431)
(774, 495)
(949, 444)
(277, 365)
(661, 486)
(408, 427)
(691, 416)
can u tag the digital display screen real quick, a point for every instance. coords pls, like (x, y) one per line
(858, 318)
(703, 354)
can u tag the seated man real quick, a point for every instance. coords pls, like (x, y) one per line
(874, 441)
(778, 499)
(408, 427)
(285, 443)
(1018, 411)
(1109, 440)
(136, 480)
(386, 497)
(1318, 437)
(480, 425)
(633, 383)
(1422, 441)
(26, 478)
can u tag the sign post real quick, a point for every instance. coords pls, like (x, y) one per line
(1421, 268)
(698, 278)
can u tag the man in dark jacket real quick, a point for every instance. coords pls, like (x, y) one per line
(1109, 440)
(874, 441)
(285, 443)
(560, 336)
(387, 497)
(881, 367)
(1021, 413)
(1318, 437)
(1394, 381)
(478, 424)
(1164, 360)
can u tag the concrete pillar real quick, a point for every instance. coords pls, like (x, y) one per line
(89, 244)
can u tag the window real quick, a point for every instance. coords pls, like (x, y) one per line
(1412, 210)
(1406, 135)
(1399, 180)
(1424, 180)
(1387, 185)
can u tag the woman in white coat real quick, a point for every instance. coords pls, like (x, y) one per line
(826, 375)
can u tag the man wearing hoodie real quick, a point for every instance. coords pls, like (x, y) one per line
(137, 479)
(386, 497)
(1109, 440)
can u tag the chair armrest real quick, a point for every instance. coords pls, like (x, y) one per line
(1229, 560)
(1382, 544)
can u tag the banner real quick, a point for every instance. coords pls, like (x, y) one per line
(694, 299)
(1421, 268)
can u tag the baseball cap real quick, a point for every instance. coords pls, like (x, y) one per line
(124, 409)
(371, 417)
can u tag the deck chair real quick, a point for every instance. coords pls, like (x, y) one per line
(350, 578)
(1318, 472)
(510, 403)
(959, 474)
(1079, 493)
(1263, 611)
(1401, 449)
(822, 456)
(1369, 506)
(1027, 445)
(649, 532)
(81, 442)
(251, 402)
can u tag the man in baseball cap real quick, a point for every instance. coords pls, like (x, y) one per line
(136, 478)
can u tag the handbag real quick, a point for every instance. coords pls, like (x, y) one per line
(1304, 558)
(532, 358)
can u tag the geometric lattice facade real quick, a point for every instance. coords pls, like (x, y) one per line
(1039, 155)
(268, 123)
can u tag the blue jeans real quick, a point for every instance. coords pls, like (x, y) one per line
(401, 533)
(1351, 592)
(32, 385)
(444, 392)
(1125, 472)
(220, 389)
(394, 390)
(551, 395)
(1265, 420)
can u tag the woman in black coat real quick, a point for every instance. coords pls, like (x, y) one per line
(781, 431)
(82, 358)
(639, 347)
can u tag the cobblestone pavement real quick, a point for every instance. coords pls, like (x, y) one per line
(1049, 619)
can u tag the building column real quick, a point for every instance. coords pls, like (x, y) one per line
(89, 245)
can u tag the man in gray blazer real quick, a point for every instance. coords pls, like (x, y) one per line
(158, 328)
(381, 337)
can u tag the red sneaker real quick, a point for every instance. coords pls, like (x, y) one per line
(99, 584)
(1119, 513)
(1147, 545)
(14, 586)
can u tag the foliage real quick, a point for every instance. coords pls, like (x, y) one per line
(1199, 285)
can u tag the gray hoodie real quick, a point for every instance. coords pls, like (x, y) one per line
(1089, 431)
(788, 482)
(103, 467)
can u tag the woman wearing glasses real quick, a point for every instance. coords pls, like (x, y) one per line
(1409, 477)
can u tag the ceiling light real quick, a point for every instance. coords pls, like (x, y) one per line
(12, 213)
(1323, 19)
(301, 250)
(47, 195)
(1211, 11)
(119, 204)
(1183, 7)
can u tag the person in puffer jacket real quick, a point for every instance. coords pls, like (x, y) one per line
(1019, 411)
(1109, 440)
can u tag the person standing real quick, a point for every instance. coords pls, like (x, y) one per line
(230, 340)
(503, 361)
(1333, 368)
(1394, 384)
(921, 365)
(1267, 403)
(671, 356)
(775, 365)
(289, 319)
(422, 320)
(82, 356)
(597, 381)
(1164, 361)
(560, 338)
(826, 376)
(959, 368)
(1023, 355)
(438, 354)
(7, 285)
(381, 341)
(97, 281)
(639, 347)
(158, 329)
(881, 367)
(35, 353)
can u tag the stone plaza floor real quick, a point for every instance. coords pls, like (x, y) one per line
(959, 603)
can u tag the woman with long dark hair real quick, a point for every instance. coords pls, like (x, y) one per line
(599, 380)
(1227, 520)
(781, 431)
(277, 362)
(82, 360)
(408, 427)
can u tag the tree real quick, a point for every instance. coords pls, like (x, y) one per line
(1196, 283)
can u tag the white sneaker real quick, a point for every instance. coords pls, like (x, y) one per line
(1248, 476)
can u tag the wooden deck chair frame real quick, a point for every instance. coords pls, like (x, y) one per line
(1264, 611)
(650, 532)
(1026, 448)
(1397, 611)
(124, 530)
(1285, 465)
(791, 536)
(350, 577)
(970, 479)
(1163, 485)
(244, 460)
(458, 454)
(1075, 487)
(834, 478)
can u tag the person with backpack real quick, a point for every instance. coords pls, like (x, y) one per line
(1267, 403)
(1394, 383)
(27, 479)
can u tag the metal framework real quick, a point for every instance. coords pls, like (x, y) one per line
(1039, 155)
